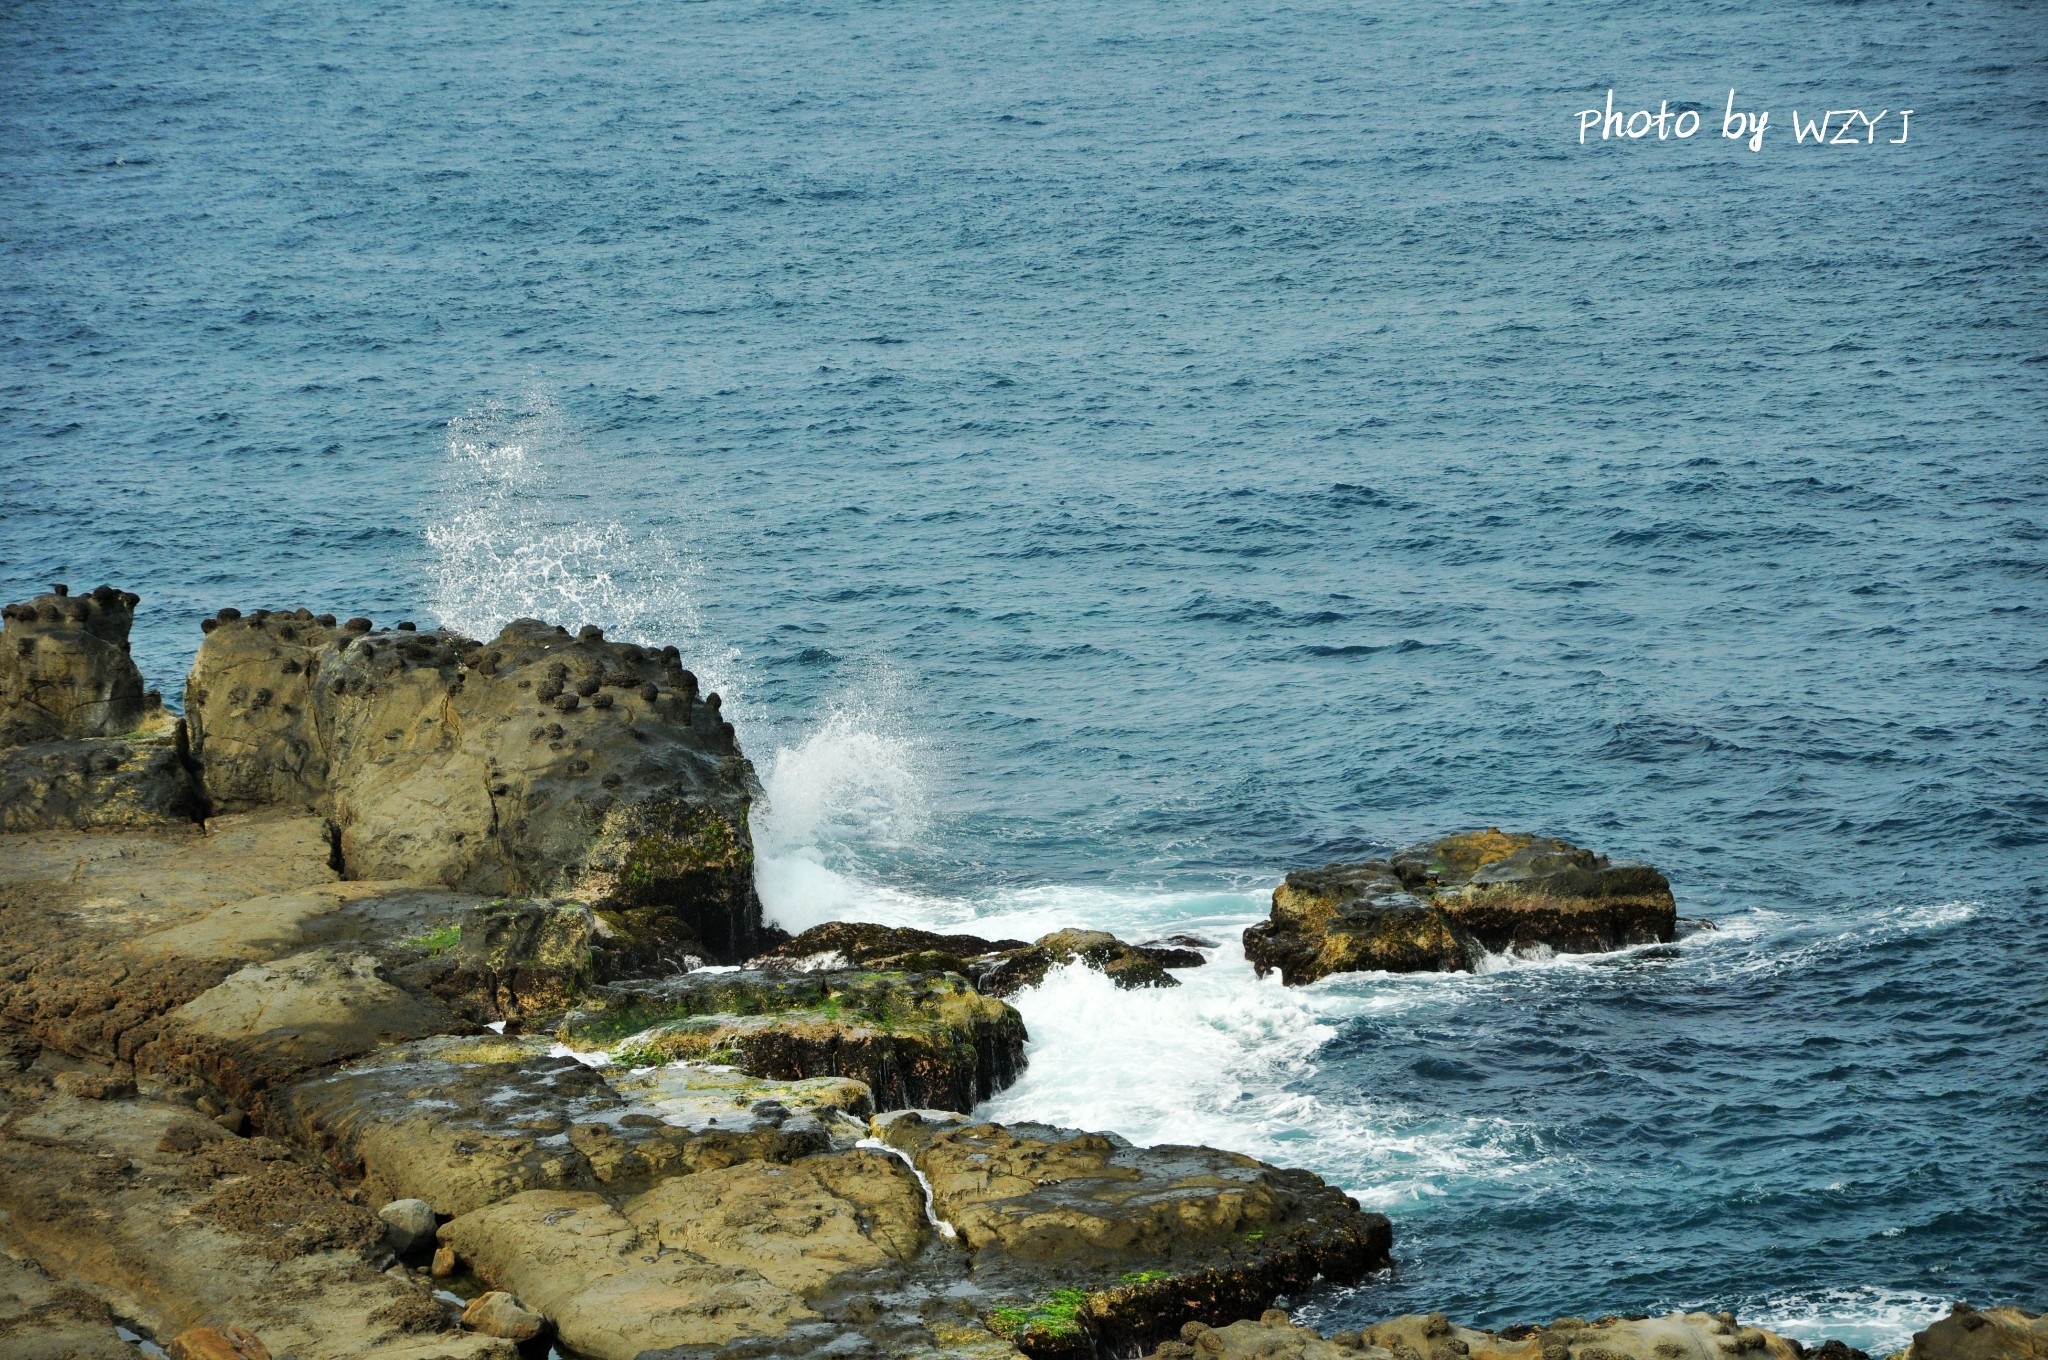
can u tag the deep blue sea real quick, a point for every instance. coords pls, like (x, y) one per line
(1110, 454)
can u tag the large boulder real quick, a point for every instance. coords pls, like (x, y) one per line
(65, 671)
(542, 765)
(914, 1039)
(996, 967)
(1442, 906)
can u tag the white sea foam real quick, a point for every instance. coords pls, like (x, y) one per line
(512, 546)
(1871, 1319)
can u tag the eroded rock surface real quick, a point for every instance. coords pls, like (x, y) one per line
(1982, 1334)
(542, 764)
(65, 671)
(1439, 907)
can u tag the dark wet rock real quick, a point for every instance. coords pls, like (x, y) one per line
(915, 1039)
(1439, 907)
(436, 765)
(1982, 1334)
(65, 671)
(1104, 1246)
(996, 967)
(144, 779)
(521, 958)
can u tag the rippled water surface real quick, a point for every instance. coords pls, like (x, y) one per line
(1111, 454)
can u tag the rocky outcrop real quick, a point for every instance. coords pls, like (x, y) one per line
(1699, 1336)
(65, 671)
(914, 1039)
(142, 779)
(542, 764)
(1439, 907)
(1982, 1334)
(996, 967)
(1106, 1246)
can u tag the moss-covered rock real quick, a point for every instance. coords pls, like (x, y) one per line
(915, 1039)
(1439, 907)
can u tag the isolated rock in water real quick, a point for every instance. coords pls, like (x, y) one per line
(1677, 1336)
(1438, 907)
(143, 779)
(996, 967)
(65, 670)
(408, 1225)
(497, 1313)
(541, 765)
(914, 1039)
(1982, 1334)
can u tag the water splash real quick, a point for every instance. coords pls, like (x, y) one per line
(512, 546)
(847, 797)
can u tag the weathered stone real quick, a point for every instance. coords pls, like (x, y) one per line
(272, 1021)
(1150, 1238)
(143, 779)
(1982, 1334)
(1439, 907)
(433, 769)
(463, 1122)
(65, 671)
(912, 1039)
(496, 1313)
(408, 1225)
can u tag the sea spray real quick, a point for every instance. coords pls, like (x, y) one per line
(511, 545)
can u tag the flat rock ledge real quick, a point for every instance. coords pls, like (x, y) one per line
(1444, 906)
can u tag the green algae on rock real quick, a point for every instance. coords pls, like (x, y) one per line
(1440, 907)
(914, 1039)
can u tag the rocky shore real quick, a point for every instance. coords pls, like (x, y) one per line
(410, 996)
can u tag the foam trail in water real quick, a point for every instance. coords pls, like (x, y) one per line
(512, 546)
(1871, 1319)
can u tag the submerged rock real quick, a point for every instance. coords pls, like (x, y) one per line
(439, 759)
(65, 671)
(996, 967)
(914, 1039)
(1439, 907)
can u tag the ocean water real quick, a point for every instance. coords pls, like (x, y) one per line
(1111, 454)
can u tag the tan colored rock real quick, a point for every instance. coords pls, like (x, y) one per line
(1439, 907)
(271, 1021)
(217, 1343)
(496, 1313)
(800, 1225)
(65, 670)
(142, 779)
(1982, 1334)
(542, 765)
(582, 1264)
(462, 1122)
(45, 1319)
